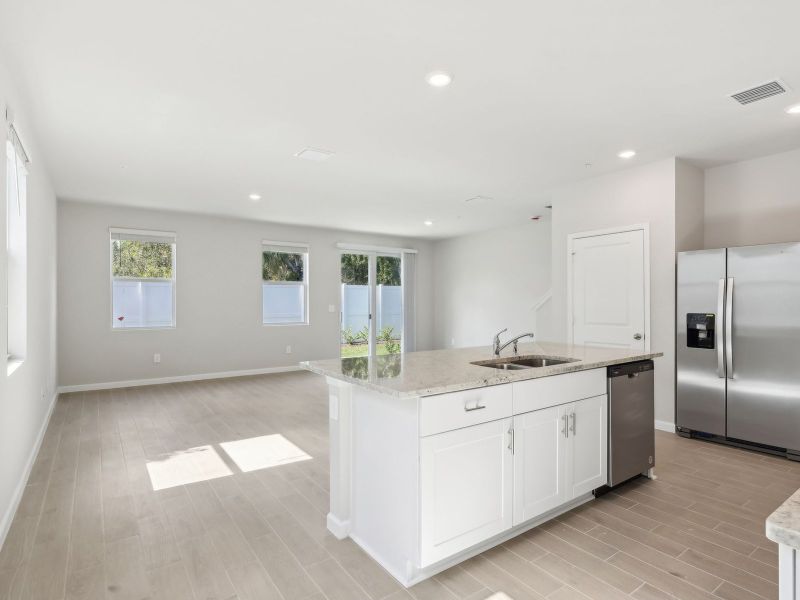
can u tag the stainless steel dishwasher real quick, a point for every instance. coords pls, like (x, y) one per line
(631, 421)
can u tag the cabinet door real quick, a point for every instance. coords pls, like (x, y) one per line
(588, 436)
(465, 487)
(540, 448)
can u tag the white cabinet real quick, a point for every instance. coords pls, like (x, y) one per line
(588, 437)
(540, 449)
(559, 454)
(466, 488)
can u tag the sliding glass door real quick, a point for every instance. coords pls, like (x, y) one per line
(372, 304)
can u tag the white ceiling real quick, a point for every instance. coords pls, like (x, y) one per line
(194, 104)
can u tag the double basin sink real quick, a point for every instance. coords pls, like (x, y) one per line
(517, 363)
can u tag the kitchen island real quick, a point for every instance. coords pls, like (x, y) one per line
(438, 455)
(783, 528)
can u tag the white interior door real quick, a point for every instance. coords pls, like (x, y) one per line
(609, 290)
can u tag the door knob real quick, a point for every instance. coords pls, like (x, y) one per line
(637, 336)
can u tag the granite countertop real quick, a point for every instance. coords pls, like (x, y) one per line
(440, 371)
(783, 526)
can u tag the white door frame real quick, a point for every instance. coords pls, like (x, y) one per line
(643, 227)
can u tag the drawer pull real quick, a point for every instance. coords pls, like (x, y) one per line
(476, 407)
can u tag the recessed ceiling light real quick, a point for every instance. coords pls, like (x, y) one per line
(794, 110)
(314, 154)
(427, 223)
(439, 79)
(255, 197)
(627, 154)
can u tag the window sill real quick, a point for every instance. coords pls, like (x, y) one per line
(12, 365)
(285, 324)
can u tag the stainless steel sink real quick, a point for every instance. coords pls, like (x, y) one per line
(523, 362)
(540, 362)
(505, 366)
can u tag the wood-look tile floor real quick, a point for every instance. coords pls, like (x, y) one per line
(90, 525)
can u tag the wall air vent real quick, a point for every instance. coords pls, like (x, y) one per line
(760, 92)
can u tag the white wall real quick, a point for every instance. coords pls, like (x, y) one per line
(219, 268)
(644, 194)
(753, 202)
(689, 207)
(490, 280)
(26, 395)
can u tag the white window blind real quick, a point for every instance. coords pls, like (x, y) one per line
(143, 270)
(284, 286)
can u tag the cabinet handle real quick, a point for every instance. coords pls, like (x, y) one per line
(565, 431)
(476, 407)
(572, 428)
(511, 440)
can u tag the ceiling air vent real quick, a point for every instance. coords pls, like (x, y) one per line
(760, 92)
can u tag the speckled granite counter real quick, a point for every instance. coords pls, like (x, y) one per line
(783, 525)
(440, 371)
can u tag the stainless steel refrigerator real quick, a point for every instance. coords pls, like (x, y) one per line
(738, 345)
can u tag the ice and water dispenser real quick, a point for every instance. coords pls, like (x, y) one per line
(700, 330)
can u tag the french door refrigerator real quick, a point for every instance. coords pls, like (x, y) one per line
(738, 345)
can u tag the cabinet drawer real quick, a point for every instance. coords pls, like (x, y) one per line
(536, 394)
(462, 409)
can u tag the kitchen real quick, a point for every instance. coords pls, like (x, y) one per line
(349, 301)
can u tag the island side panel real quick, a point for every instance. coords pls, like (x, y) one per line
(340, 423)
(385, 479)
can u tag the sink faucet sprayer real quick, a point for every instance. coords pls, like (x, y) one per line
(498, 348)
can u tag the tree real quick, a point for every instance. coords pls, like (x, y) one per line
(355, 269)
(282, 266)
(141, 259)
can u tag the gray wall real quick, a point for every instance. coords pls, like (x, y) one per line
(218, 297)
(26, 395)
(644, 194)
(689, 207)
(753, 202)
(490, 280)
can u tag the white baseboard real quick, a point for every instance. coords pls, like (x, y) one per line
(340, 529)
(5, 523)
(665, 426)
(111, 385)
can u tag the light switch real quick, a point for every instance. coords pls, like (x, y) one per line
(331, 308)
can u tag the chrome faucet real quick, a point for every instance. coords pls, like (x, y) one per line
(498, 348)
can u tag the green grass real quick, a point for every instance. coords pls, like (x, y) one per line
(361, 350)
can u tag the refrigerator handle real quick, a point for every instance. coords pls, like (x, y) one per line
(720, 313)
(729, 329)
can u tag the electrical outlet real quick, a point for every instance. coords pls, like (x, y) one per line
(331, 308)
(156, 358)
(288, 349)
(452, 341)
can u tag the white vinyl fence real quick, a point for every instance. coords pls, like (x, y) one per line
(142, 303)
(283, 302)
(389, 305)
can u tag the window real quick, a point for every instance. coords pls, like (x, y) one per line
(284, 274)
(16, 301)
(142, 279)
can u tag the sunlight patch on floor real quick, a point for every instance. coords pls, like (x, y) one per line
(263, 452)
(185, 467)
(498, 596)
